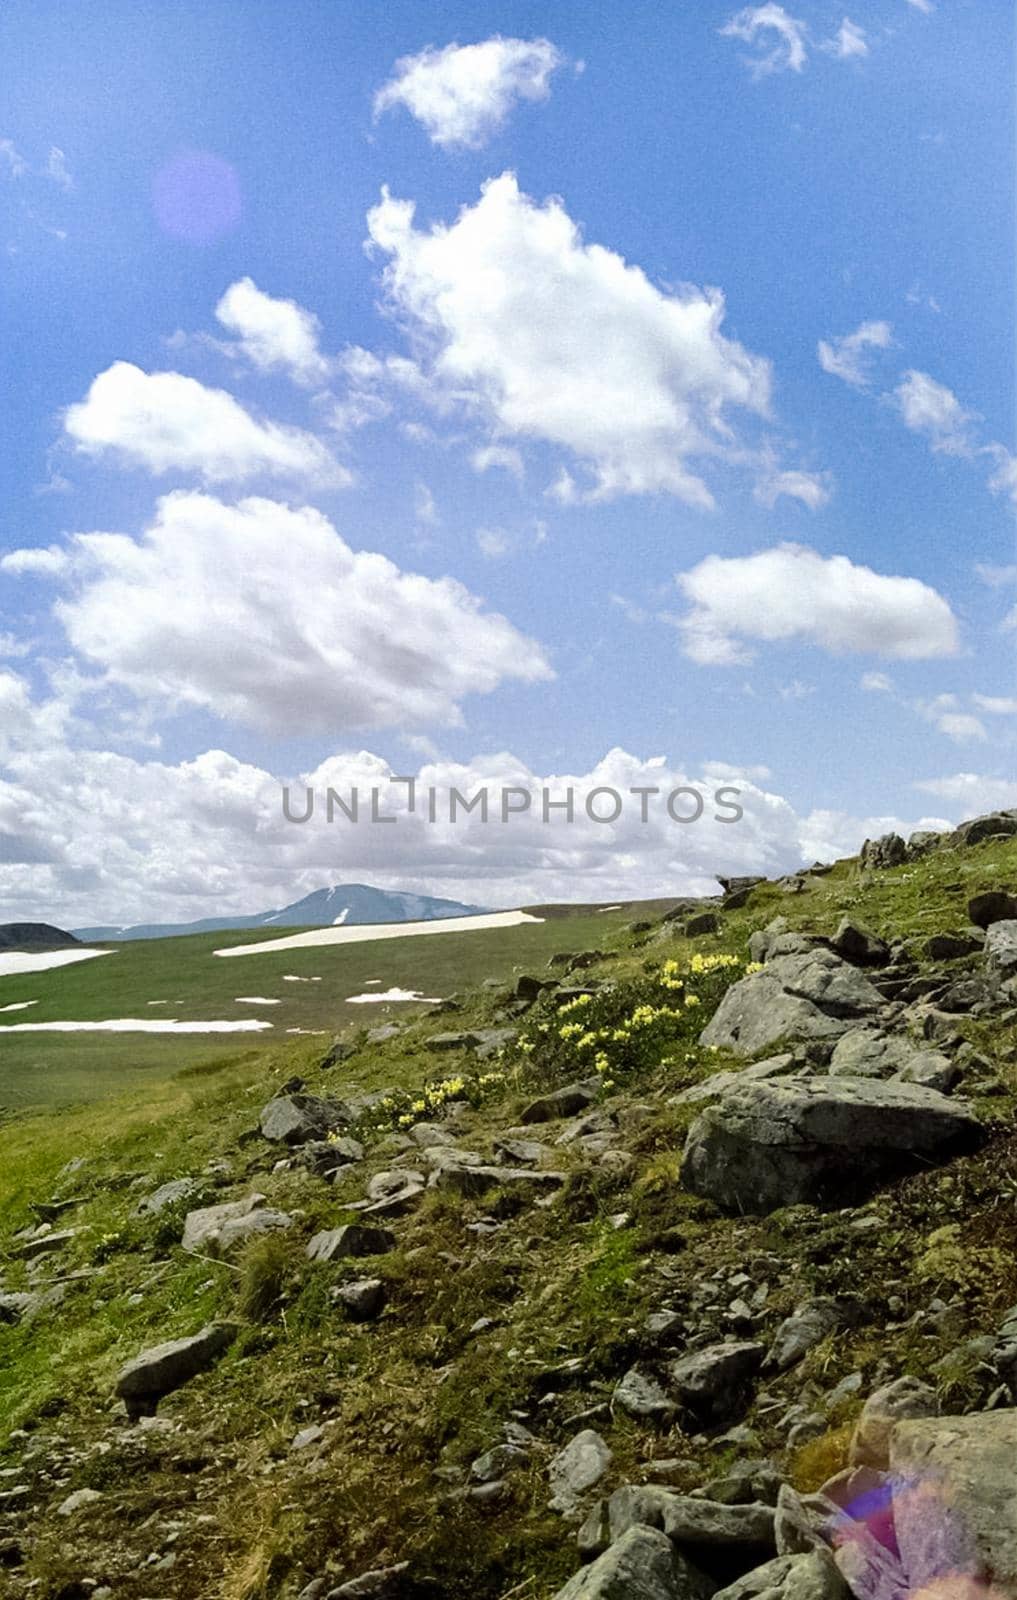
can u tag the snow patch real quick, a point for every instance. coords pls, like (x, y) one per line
(393, 994)
(15, 961)
(338, 921)
(382, 930)
(20, 1005)
(137, 1025)
(291, 977)
(254, 1000)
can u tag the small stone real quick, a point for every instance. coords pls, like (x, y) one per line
(77, 1501)
(640, 1395)
(496, 1462)
(711, 1382)
(353, 1239)
(564, 1102)
(809, 1325)
(306, 1437)
(363, 1299)
(577, 1468)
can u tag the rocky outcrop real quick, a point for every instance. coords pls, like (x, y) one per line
(814, 995)
(818, 1141)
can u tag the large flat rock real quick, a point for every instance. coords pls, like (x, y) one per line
(955, 1508)
(819, 1141)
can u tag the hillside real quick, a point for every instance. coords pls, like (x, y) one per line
(34, 936)
(584, 1283)
(344, 903)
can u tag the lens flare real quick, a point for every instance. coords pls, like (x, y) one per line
(196, 197)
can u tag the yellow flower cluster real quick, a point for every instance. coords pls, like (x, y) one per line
(713, 963)
(577, 1004)
(670, 976)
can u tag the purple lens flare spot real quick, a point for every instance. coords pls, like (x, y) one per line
(196, 197)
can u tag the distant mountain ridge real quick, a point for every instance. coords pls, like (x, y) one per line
(33, 936)
(343, 904)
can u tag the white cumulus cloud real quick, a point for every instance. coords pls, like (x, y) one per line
(792, 592)
(274, 335)
(93, 836)
(549, 338)
(463, 94)
(262, 614)
(757, 24)
(166, 422)
(848, 357)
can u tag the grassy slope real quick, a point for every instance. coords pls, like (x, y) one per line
(419, 1389)
(58, 1069)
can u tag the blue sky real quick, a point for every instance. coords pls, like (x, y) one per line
(680, 287)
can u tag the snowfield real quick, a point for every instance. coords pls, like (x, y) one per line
(383, 930)
(14, 961)
(137, 1025)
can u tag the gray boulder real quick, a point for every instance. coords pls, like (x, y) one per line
(995, 905)
(719, 1083)
(363, 1299)
(809, 1325)
(1001, 948)
(640, 1395)
(903, 1399)
(711, 1382)
(223, 1227)
(951, 946)
(298, 1118)
(577, 1468)
(820, 1141)
(955, 1512)
(870, 1053)
(889, 850)
(815, 995)
(565, 1102)
(168, 1194)
(156, 1372)
(859, 946)
(995, 825)
(642, 1565)
(332, 1244)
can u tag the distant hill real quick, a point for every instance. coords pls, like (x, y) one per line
(33, 936)
(344, 903)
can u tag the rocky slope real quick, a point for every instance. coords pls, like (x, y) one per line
(683, 1269)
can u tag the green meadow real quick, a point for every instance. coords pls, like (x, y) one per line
(190, 983)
